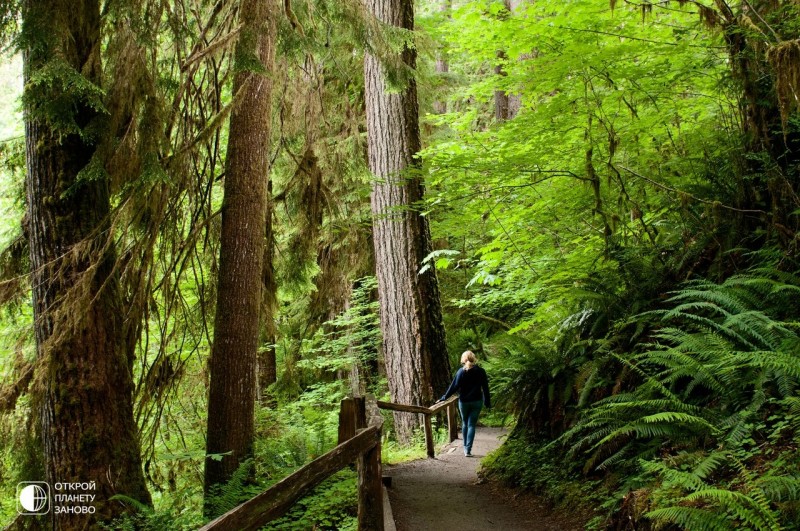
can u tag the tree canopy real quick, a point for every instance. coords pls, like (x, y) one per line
(600, 199)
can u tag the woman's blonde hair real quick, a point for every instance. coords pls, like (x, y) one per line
(468, 359)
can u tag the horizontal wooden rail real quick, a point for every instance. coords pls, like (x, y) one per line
(364, 447)
(441, 405)
(404, 407)
(449, 404)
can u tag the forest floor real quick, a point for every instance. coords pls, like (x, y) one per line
(446, 493)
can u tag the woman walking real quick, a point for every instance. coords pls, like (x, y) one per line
(472, 387)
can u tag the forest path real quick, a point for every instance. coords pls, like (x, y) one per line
(445, 494)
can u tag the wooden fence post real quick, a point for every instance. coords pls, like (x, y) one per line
(352, 417)
(361, 412)
(452, 423)
(370, 488)
(429, 436)
(347, 420)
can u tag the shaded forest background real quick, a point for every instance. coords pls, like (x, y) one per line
(612, 195)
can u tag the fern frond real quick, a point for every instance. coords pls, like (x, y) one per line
(691, 518)
(779, 488)
(726, 300)
(766, 332)
(744, 507)
(681, 478)
(710, 464)
(668, 424)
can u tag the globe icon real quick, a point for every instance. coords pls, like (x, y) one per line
(33, 498)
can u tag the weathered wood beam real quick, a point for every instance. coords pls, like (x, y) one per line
(452, 423)
(429, 436)
(278, 499)
(370, 490)
(404, 407)
(439, 405)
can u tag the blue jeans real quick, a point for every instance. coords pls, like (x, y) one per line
(469, 419)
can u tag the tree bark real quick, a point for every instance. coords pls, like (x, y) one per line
(501, 107)
(442, 67)
(232, 392)
(267, 363)
(84, 386)
(414, 346)
(506, 106)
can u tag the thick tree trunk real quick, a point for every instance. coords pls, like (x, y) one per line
(414, 346)
(85, 384)
(232, 394)
(501, 108)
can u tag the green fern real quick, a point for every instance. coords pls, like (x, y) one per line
(238, 489)
(724, 358)
(706, 506)
(691, 518)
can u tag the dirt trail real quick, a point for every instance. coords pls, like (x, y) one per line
(445, 494)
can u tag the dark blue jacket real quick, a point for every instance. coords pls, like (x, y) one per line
(469, 384)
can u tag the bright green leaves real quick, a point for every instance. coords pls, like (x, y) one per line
(58, 94)
(441, 259)
(616, 180)
(350, 339)
(615, 114)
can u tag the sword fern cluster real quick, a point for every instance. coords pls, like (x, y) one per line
(715, 386)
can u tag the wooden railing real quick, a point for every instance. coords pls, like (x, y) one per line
(449, 405)
(357, 442)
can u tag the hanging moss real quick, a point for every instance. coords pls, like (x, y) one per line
(785, 61)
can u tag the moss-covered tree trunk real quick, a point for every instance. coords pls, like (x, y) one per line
(762, 40)
(84, 384)
(267, 363)
(414, 346)
(232, 394)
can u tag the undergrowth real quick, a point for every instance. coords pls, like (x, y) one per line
(535, 467)
(329, 506)
(699, 425)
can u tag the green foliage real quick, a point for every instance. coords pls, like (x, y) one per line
(717, 374)
(331, 505)
(710, 507)
(67, 91)
(147, 519)
(570, 226)
(239, 489)
(533, 465)
(300, 429)
(352, 337)
(9, 18)
(564, 238)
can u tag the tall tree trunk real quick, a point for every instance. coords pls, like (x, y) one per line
(442, 67)
(506, 106)
(411, 317)
(501, 109)
(267, 364)
(84, 394)
(232, 394)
